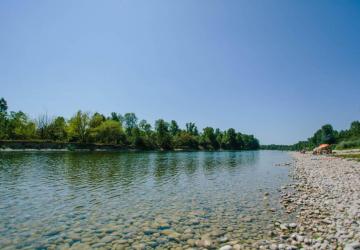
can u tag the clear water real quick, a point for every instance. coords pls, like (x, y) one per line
(109, 200)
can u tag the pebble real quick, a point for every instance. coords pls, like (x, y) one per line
(226, 247)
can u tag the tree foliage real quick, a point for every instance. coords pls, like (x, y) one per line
(344, 139)
(3, 118)
(125, 130)
(78, 128)
(109, 131)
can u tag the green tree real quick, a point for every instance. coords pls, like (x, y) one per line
(144, 137)
(208, 139)
(3, 118)
(42, 124)
(250, 142)
(185, 140)
(324, 135)
(145, 126)
(354, 130)
(239, 141)
(219, 137)
(96, 120)
(174, 128)
(20, 127)
(57, 129)
(109, 131)
(130, 122)
(191, 128)
(78, 128)
(229, 139)
(328, 134)
(163, 134)
(116, 117)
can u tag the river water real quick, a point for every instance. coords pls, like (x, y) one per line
(150, 200)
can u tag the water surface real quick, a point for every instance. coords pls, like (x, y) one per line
(121, 200)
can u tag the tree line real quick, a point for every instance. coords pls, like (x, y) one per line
(344, 139)
(124, 130)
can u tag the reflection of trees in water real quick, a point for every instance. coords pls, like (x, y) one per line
(27, 165)
(209, 162)
(12, 165)
(228, 160)
(166, 165)
(107, 168)
(125, 169)
(246, 158)
(190, 164)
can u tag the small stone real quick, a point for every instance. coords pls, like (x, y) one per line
(139, 246)
(223, 239)
(281, 246)
(236, 247)
(80, 246)
(352, 246)
(292, 225)
(226, 247)
(107, 239)
(273, 247)
(204, 242)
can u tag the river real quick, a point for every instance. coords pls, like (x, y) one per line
(150, 200)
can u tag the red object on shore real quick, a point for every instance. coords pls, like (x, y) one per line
(322, 148)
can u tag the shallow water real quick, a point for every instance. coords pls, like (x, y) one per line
(121, 200)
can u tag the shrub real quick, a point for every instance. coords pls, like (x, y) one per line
(349, 144)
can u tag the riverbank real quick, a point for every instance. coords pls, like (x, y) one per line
(47, 145)
(44, 145)
(326, 201)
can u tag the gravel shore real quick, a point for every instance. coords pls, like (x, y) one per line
(326, 200)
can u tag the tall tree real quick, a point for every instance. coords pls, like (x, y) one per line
(20, 127)
(3, 118)
(191, 128)
(57, 129)
(79, 126)
(229, 139)
(163, 135)
(116, 117)
(96, 120)
(355, 129)
(174, 128)
(42, 124)
(109, 131)
(130, 122)
(208, 138)
(145, 126)
(3, 106)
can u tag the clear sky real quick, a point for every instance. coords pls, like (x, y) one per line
(275, 69)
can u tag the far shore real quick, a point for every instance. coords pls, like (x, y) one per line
(54, 146)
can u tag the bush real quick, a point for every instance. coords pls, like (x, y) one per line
(349, 144)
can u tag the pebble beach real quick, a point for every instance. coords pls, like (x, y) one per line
(325, 197)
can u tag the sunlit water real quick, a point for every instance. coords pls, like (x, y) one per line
(50, 200)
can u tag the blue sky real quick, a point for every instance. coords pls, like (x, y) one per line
(275, 69)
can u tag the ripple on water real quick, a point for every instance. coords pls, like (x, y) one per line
(150, 200)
